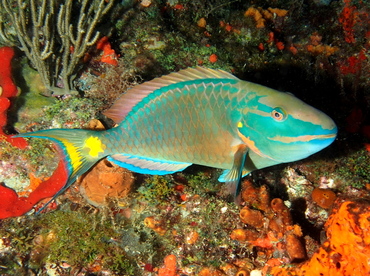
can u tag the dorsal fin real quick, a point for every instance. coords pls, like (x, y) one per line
(132, 97)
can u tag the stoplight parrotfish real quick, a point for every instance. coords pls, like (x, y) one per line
(198, 116)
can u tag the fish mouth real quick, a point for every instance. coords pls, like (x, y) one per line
(331, 135)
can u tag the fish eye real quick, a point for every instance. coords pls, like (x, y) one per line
(278, 114)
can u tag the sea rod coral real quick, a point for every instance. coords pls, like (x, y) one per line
(53, 35)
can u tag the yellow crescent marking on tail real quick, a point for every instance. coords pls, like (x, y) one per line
(94, 145)
(73, 154)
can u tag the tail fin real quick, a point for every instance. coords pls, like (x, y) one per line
(81, 149)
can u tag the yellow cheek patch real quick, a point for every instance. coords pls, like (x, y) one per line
(95, 146)
(240, 124)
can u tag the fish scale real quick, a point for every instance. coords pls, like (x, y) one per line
(198, 116)
(187, 127)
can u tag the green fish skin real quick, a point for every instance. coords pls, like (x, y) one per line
(198, 116)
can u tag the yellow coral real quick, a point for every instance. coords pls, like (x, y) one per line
(323, 49)
(278, 12)
(256, 14)
(202, 23)
(155, 225)
(260, 15)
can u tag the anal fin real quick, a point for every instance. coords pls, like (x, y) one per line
(146, 165)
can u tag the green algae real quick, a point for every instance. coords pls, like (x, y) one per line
(203, 183)
(156, 189)
(72, 112)
(349, 170)
(78, 238)
(354, 169)
(200, 211)
(39, 159)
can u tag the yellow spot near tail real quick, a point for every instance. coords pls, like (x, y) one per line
(240, 124)
(94, 145)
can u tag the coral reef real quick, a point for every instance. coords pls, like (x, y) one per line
(347, 247)
(8, 91)
(48, 241)
(105, 182)
(180, 224)
(108, 56)
(12, 205)
(261, 16)
(114, 80)
(155, 224)
(55, 43)
(270, 228)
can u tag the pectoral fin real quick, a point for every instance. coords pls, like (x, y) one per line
(233, 177)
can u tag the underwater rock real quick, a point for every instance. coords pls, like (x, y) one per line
(297, 185)
(105, 182)
(347, 249)
(273, 233)
(259, 198)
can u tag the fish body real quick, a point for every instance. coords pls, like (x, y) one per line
(198, 116)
